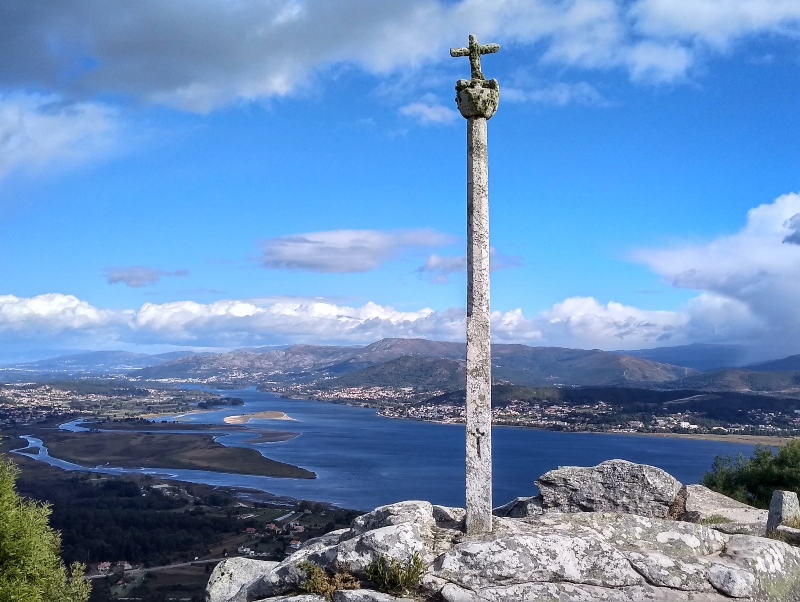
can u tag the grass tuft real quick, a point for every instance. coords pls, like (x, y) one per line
(321, 583)
(395, 577)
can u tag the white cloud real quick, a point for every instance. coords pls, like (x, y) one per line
(558, 94)
(199, 55)
(60, 319)
(43, 131)
(749, 280)
(345, 251)
(748, 285)
(716, 22)
(138, 276)
(428, 113)
(437, 269)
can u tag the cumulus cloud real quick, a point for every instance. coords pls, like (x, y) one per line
(57, 318)
(749, 279)
(437, 268)
(429, 112)
(748, 286)
(138, 276)
(38, 131)
(716, 22)
(345, 251)
(199, 55)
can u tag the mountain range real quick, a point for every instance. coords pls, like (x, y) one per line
(435, 364)
(378, 363)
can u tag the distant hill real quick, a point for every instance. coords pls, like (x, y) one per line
(697, 356)
(787, 364)
(543, 366)
(520, 364)
(741, 380)
(406, 371)
(98, 362)
(726, 406)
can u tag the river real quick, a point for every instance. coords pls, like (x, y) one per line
(363, 460)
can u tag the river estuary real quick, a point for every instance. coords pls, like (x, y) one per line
(363, 460)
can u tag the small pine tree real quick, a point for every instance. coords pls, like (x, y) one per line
(31, 569)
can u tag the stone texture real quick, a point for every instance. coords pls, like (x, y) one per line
(612, 486)
(548, 557)
(520, 507)
(736, 583)
(703, 504)
(788, 534)
(365, 595)
(397, 531)
(782, 507)
(233, 574)
(476, 98)
(300, 598)
(479, 350)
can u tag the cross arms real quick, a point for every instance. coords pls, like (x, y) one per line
(474, 52)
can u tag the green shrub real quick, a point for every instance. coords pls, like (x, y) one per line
(321, 583)
(394, 577)
(31, 569)
(753, 480)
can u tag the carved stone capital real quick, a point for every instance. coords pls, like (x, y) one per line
(477, 97)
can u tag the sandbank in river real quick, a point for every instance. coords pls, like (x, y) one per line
(245, 418)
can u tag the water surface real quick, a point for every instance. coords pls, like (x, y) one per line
(363, 460)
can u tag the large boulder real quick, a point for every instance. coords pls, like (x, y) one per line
(395, 532)
(233, 575)
(613, 486)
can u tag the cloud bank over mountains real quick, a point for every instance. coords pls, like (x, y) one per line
(748, 284)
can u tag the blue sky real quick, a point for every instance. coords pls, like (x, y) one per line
(216, 174)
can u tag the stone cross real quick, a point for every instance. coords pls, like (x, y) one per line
(477, 101)
(474, 52)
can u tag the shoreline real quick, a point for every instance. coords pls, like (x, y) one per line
(734, 438)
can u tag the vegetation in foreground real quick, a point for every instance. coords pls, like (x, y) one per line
(752, 480)
(31, 569)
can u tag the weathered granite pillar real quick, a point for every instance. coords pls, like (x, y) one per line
(783, 506)
(477, 101)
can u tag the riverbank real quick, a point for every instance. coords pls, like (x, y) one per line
(735, 438)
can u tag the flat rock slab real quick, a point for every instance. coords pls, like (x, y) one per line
(703, 504)
(612, 486)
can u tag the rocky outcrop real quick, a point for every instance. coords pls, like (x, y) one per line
(549, 556)
(613, 486)
(232, 576)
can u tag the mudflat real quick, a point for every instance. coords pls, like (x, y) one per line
(163, 450)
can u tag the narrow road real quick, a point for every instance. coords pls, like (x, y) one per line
(161, 568)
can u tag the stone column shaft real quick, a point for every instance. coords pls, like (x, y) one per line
(479, 353)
